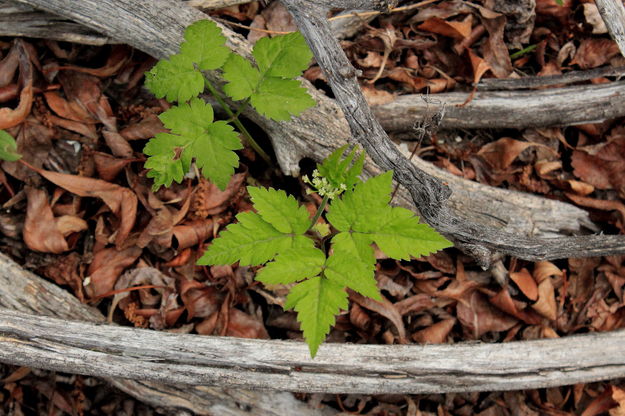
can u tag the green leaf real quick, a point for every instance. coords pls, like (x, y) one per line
(205, 45)
(293, 265)
(341, 171)
(280, 210)
(364, 215)
(282, 56)
(252, 241)
(278, 98)
(400, 235)
(212, 144)
(8, 147)
(349, 271)
(175, 79)
(243, 77)
(357, 245)
(317, 301)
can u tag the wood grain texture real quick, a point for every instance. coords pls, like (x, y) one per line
(484, 225)
(613, 14)
(22, 20)
(509, 109)
(112, 351)
(27, 293)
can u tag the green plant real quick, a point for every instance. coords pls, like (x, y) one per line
(269, 87)
(322, 264)
(8, 147)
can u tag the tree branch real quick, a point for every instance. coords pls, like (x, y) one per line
(613, 14)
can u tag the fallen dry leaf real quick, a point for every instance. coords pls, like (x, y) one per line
(495, 50)
(594, 52)
(107, 265)
(208, 199)
(453, 29)
(478, 316)
(503, 152)
(200, 300)
(8, 66)
(602, 165)
(40, 228)
(525, 282)
(145, 129)
(243, 325)
(618, 395)
(546, 303)
(120, 54)
(384, 308)
(121, 201)
(435, 334)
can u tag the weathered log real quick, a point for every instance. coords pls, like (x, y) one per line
(508, 109)
(112, 351)
(486, 223)
(22, 20)
(613, 14)
(27, 293)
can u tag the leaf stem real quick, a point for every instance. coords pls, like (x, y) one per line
(235, 119)
(320, 210)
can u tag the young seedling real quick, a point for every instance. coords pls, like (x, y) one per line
(8, 147)
(269, 86)
(278, 235)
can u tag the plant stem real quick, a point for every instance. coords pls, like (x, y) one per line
(235, 119)
(320, 210)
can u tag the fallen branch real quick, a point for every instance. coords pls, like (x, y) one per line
(508, 109)
(111, 351)
(28, 294)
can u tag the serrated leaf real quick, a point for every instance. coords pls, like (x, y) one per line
(175, 79)
(317, 301)
(252, 241)
(360, 209)
(282, 56)
(212, 144)
(188, 119)
(278, 98)
(401, 235)
(349, 271)
(293, 265)
(164, 169)
(280, 210)
(338, 170)
(357, 245)
(205, 45)
(8, 147)
(243, 77)
(214, 152)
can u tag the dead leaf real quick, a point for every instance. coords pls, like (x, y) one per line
(594, 52)
(453, 29)
(525, 282)
(67, 109)
(376, 96)
(602, 165)
(546, 303)
(414, 304)
(384, 308)
(108, 166)
(118, 145)
(495, 50)
(40, 228)
(68, 224)
(8, 66)
(145, 129)
(121, 201)
(435, 334)
(107, 265)
(86, 92)
(243, 325)
(210, 200)
(120, 54)
(601, 204)
(503, 152)
(199, 299)
(618, 395)
(478, 316)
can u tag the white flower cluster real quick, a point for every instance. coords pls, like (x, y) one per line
(323, 186)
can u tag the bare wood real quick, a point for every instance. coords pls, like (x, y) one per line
(27, 293)
(176, 359)
(613, 14)
(157, 29)
(21, 20)
(215, 4)
(347, 23)
(509, 109)
(530, 82)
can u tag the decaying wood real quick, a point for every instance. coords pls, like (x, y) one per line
(27, 293)
(22, 20)
(112, 351)
(346, 24)
(215, 4)
(508, 109)
(491, 219)
(613, 14)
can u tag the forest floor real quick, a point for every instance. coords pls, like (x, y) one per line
(91, 117)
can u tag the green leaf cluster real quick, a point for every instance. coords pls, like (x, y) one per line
(279, 233)
(8, 147)
(269, 86)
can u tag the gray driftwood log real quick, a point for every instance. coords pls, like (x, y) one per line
(30, 295)
(112, 351)
(487, 224)
(613, 14)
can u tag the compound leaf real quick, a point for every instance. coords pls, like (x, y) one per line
(340, 171)
(243, 77)
(317, 301)
(214, 152)
(205, 45)
(349, 271)
(8, 147)
(400, 236)
(282, 56)
(164, 169)
(293, 265)
(278, 98)
(252, 241)
(188, 119)
(175, 79)
(280, 210)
